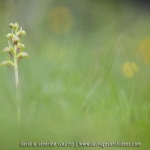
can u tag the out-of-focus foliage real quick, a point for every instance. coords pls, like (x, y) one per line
(87, 78)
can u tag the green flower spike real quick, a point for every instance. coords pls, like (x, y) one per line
(14, 48)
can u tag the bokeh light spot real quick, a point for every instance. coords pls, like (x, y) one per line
(61, 19)
(129, 69)
(144, 48)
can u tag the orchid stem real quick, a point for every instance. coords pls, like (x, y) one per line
(17, 83)
(16, 68)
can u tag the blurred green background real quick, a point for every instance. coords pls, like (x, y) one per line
(87, 78)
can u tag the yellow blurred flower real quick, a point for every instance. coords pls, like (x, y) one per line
(61, 19)
(129, 69)
(144, 48)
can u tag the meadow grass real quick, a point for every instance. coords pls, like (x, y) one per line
(73, 89)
